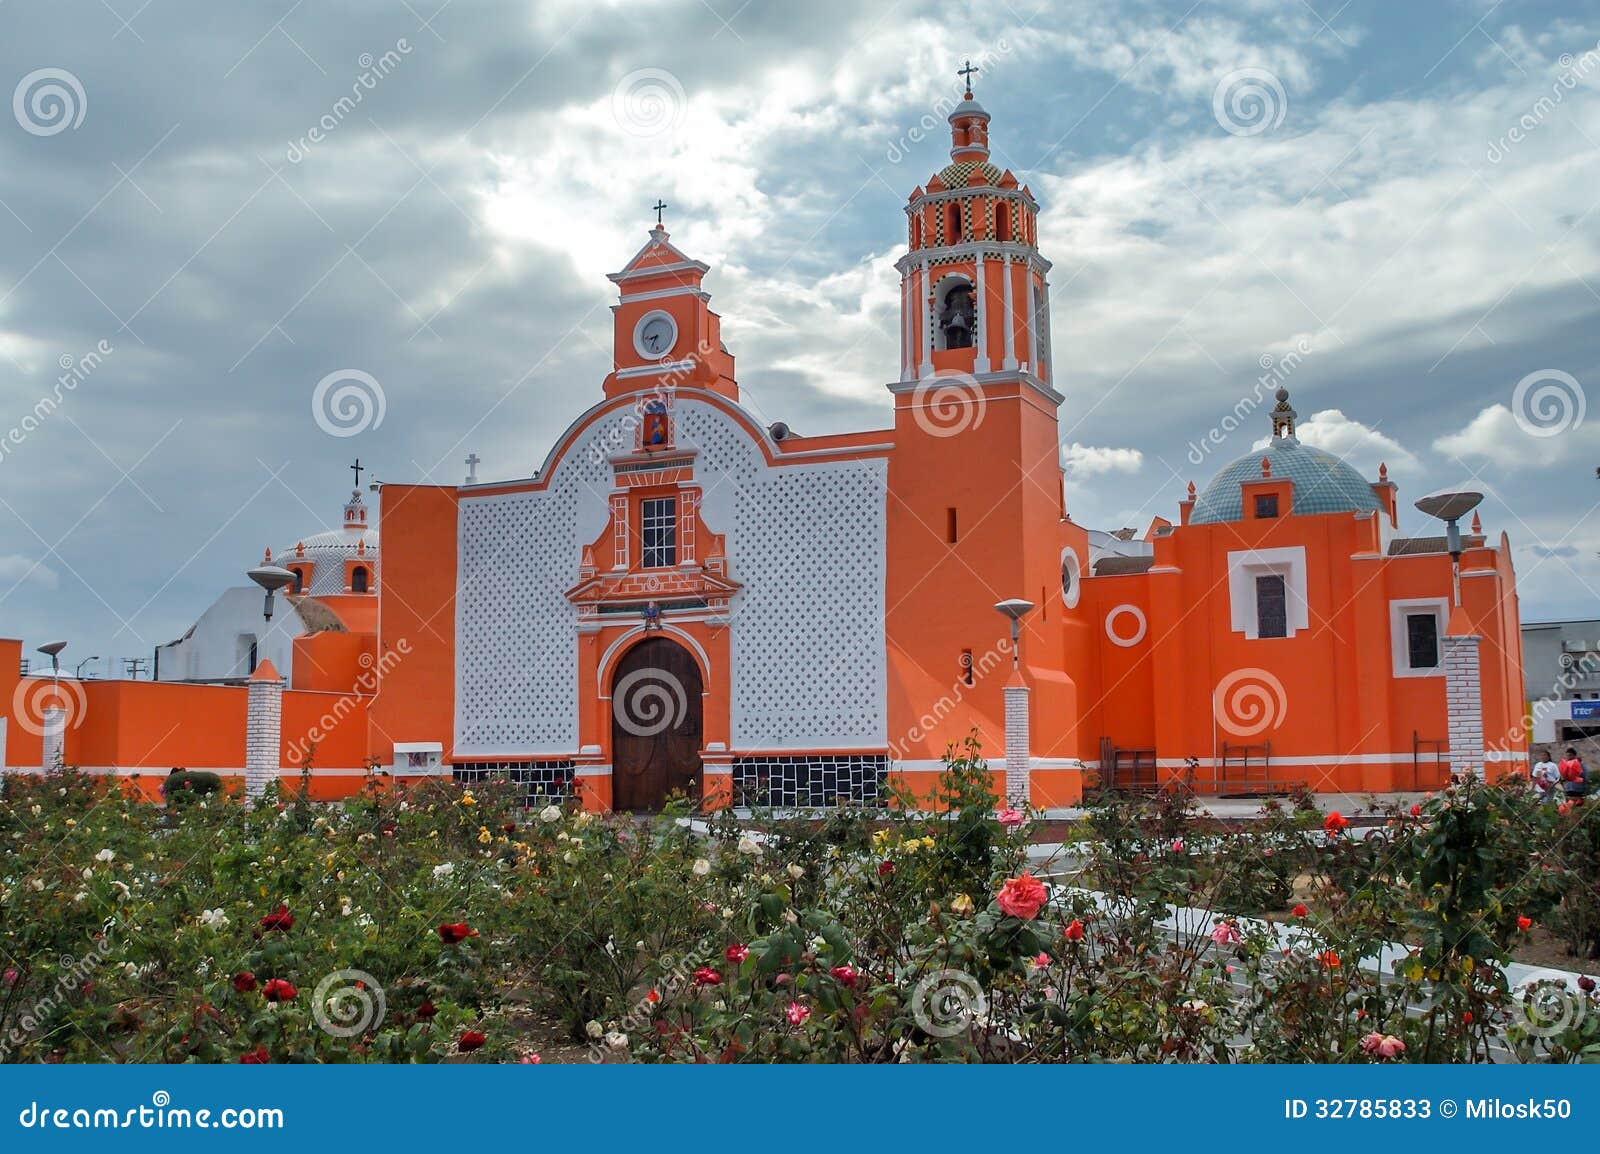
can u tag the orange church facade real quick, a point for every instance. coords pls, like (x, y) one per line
(682, 600)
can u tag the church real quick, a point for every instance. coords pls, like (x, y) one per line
(683, 601)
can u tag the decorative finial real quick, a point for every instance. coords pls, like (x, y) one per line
(1383, 472)
(1477, 525)
(299, 548)
(266, 557)
(357, 470)
(1283, 416)
(1266, 468)
(967, 73)
(1191, 490)
(659, 206)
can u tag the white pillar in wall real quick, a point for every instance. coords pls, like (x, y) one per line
(1463, 689)
(925, 346)
(1009, 358)
(54, 738)
(1017, 760)
(1031, 364)
(982, 363)
(263, 729)
(908, 352)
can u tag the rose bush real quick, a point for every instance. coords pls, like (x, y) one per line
(450, 923)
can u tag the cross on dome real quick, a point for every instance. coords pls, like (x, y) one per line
(967, 73)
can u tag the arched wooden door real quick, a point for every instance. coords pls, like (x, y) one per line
(656, 714)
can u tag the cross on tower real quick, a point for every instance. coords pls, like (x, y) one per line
(659, 205)
(357, 469)
(472, 468)
(967, 73)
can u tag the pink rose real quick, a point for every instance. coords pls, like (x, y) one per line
(1022, 897)
(1010, 818)
(1226, 934)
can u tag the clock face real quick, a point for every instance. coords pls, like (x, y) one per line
(655, 335)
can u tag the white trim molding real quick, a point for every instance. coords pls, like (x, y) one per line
(1245, 565)
(1399, 638)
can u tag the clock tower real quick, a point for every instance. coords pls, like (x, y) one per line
(665, 334)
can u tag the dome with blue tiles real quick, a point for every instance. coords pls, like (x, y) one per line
(1323, 483)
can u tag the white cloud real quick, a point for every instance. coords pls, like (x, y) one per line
(17, 569)
(1496, 435)
(1094, 460)
(1362, 446)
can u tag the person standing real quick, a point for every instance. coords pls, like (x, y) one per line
(1573, 782)
(1546, 776)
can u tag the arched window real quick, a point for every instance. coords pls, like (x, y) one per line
(1002, 222)
(952, 232)
(358, 579)
(299, 580)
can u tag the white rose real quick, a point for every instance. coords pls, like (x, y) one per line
(617, 1040)
(749, 846)
(444, 869)
(594, 1029)
(797, 872)
(701, 867)
(104, 855)
(550, 813)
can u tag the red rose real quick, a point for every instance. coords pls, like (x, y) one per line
(278, 919)
(1586, 985)
(509, 827)
(244, 981)
(1466, 1017)
(1022, 896)
(455, 932)
(846, 975)
(1074, 931)
(1416, 811)
(1335, 822)
(736, 953)
(885, 868)
(1300, 911)
(706, 976)
(470, 1040)
(278, 990)
(1524, 924)
(426, 1010)
(256, 1057)
(1329, 959)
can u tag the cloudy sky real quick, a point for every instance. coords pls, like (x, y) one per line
(1394, 205)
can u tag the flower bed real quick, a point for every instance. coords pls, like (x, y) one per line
(446, 923)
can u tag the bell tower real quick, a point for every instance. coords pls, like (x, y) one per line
(665, 334)
(977, 515)
(973, 288)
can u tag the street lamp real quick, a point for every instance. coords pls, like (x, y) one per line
(79, 673)
(271, 578)
(1450, 505)
(1016, 609)
(52, 650)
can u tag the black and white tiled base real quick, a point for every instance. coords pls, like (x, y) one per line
(542, 781)
(809, 781)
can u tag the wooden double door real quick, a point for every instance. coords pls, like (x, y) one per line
(657, 709)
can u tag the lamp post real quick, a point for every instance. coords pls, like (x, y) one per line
(1018, 760)
(1015, 608)
(79, 672)
(1450, 505)
(271, 578)
(52, 650)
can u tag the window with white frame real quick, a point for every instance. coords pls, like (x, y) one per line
(1416, 636)
(658, 532)
(1267, 592)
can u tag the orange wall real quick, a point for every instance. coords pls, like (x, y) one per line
(416, 605)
